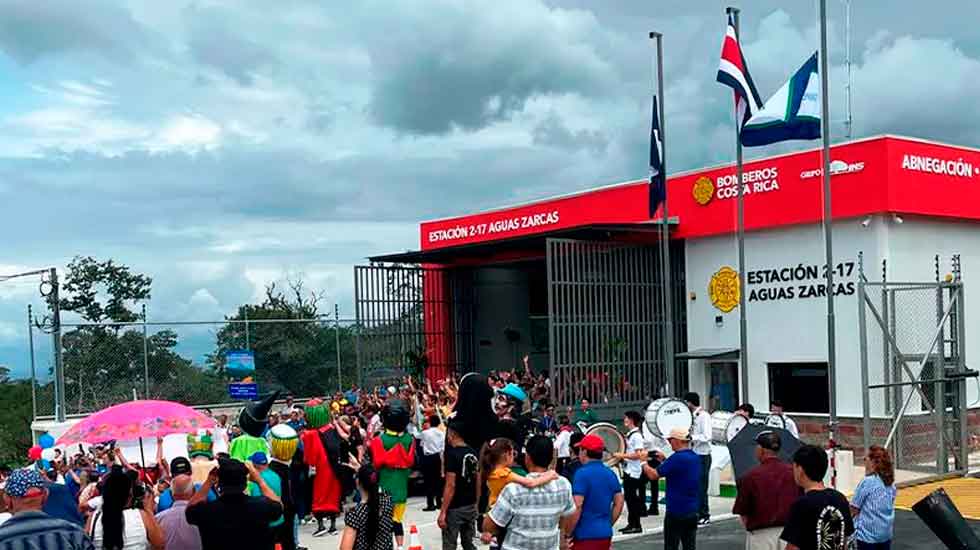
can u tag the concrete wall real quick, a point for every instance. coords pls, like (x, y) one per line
(794, 330)
(782, 330)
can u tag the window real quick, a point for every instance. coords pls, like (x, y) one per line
(802, 387)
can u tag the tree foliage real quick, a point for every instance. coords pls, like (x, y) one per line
(104, 362)
(86, 277)
(296, 357)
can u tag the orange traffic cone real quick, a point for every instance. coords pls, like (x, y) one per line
(413, 538)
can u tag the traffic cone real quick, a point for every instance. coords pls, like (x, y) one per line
(413, 538)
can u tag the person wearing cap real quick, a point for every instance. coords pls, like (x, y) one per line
(179, 466)
(765, 495)
(512, 423)
(236, 520)
(701, 445)
(598, 497)
(683, 473)
(24, 495)
(261, 463)
(179, 534)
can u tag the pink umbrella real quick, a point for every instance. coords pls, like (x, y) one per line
(136, 420)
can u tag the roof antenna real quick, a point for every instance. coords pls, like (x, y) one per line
(848, 120)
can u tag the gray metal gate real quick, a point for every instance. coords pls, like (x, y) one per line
(410, 318)
(913, 368)
(606, 321)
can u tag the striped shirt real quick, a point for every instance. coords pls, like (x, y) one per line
(877, 505)
(39, 531)
(532, 516)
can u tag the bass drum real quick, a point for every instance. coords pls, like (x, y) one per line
(668, 413)
(725, 426)
(611, 438)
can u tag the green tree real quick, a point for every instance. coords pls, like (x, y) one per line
(297, 357)
(104, 360)
(15, 418)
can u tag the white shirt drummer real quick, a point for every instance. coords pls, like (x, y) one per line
(701, 432)
(634, 444)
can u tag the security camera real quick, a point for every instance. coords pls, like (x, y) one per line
(897, 219)
(866, 222)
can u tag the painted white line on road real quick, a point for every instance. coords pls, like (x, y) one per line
(659, 530)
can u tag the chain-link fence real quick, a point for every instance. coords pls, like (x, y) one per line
(912, 339)
(105, 364)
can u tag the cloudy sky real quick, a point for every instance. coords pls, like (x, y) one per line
(218, 145)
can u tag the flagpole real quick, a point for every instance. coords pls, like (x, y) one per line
(828, 237)
(665, 225)
(743, 338)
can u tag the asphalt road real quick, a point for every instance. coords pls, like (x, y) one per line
(910, 534)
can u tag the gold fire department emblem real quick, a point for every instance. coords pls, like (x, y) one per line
(703, 190)
(724, 289)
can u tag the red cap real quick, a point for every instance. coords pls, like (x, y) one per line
(592, 443)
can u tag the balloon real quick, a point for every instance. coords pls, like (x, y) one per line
(46, 441)
(45, 465)
(47, 454)
(34, 453)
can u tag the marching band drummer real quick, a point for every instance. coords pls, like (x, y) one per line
(652, 444)
(633, 479)
(776, 408)
(746, 410)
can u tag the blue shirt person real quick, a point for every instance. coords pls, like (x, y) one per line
(873, 502)
(597, 492)
(683, 473)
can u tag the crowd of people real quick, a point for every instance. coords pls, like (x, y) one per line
(498, 466)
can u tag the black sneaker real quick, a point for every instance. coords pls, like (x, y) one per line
(653, 512)
(332, 531)
(320, 531)
(704, 521)
(631, 530)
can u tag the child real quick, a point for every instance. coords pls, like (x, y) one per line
(457, 515)
(496, 460)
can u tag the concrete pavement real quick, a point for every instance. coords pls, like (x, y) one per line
(431, 535)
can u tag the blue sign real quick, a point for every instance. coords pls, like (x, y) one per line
(240, 363)
(243, 391)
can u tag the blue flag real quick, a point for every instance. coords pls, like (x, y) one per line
(658, 180)
(791, 113)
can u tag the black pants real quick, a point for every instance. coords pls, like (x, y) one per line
(703, 511)
(633, 490)
(284, 533)
(432, 474)
(680, 531)
(654, 487)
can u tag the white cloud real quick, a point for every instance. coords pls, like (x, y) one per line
(187, 132)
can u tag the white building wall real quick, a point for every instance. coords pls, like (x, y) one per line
(786, 329)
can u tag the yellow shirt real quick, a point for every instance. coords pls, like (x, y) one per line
(496, 481)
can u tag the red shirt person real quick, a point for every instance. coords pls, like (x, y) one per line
(765, 494)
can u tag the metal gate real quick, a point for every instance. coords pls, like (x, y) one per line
(412, 320)
(606, 321)
(913, 366)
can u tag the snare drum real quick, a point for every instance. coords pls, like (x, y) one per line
(668, 413)
(725, 426)
(611, 438)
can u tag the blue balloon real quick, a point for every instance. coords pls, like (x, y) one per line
(45, 465)
(46, 441)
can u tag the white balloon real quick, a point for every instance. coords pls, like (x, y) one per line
(48, 454)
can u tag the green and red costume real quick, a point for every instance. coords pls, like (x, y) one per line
(393, 455)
